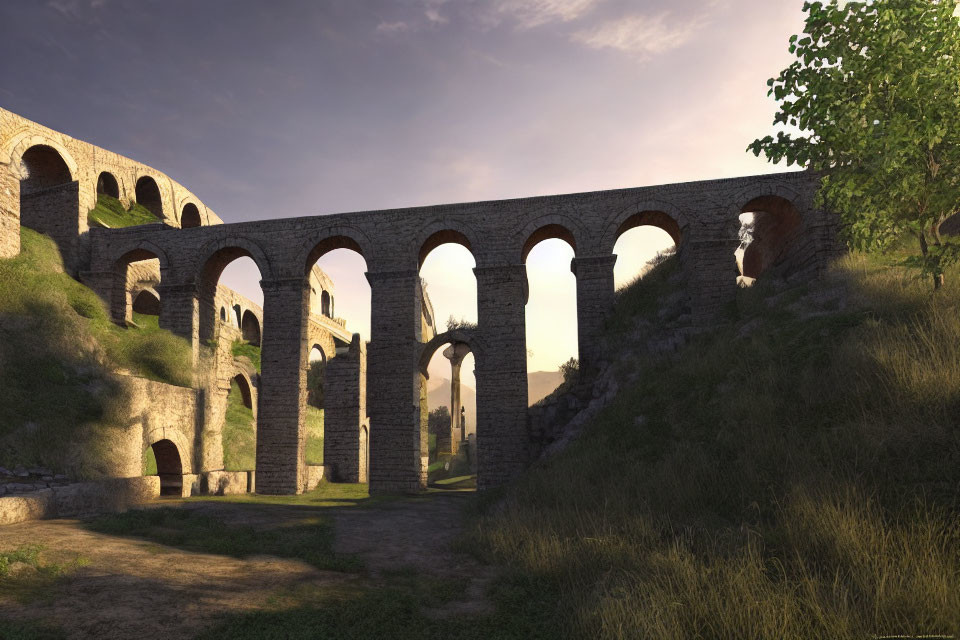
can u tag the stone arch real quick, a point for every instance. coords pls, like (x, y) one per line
(146, 302)
(237, 317)
(319, 348)
(658, 214)
(214, 258)
(148, 195)
(445, 232)
(190, 216)
(325, 303)
(223, 314)
(20, 143)
(329, 240)
(768, 235)
(121, 297)
(547, 232)
(169, 467)
(246, 389)
(108, 185)
(250, 327)
(50, 199)
(470, 337)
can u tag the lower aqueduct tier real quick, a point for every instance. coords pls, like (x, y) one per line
(49, 182)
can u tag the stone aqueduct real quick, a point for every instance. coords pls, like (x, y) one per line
(790, 234)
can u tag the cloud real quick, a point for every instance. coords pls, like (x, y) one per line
(640, 35)
(534, 13)
(392, 27)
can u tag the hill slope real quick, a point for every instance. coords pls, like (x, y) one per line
(58, 356)
(791, 474)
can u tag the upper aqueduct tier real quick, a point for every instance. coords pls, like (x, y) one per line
(44, 173)
(703, 218)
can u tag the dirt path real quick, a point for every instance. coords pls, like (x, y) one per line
(133, 588)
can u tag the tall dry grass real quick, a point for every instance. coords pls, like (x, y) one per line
(797, 482)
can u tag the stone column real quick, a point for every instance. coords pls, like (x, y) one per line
(344, 413)
(595, 297)
(710, 269)
(398, 461)
(449, 441)
(9, 212)
(502, 438)
(281, 463)
(179, 312)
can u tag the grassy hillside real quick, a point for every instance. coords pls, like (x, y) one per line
(56, 357)
(239, 434)
(794, 475)
(110, 212)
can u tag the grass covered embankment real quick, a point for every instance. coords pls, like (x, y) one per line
(110, 212)
(795, 475)
(57, 357)
(239, 429)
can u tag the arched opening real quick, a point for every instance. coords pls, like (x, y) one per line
(768, 224)
(645, 240)
(107, 185)
(148, 196)
(250, 328)
(223, 314)
(551, 309)
(335, 402)
(364, 454)
(134, 296)
(42, 168)
(235, 269)
(169, 467)
(190, 216)
(147, 302)
(239, 434)
(448, 419)
(244, 387)
(237, 316)
(316, 399)
(49, 198)
(325, 304)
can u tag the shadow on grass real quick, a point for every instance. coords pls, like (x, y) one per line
(309, 539)
(29, 631)
(406, 606)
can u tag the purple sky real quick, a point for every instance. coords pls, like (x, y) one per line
(304, 107)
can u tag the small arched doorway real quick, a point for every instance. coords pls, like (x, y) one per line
(250, 328)
(148, 196)
(169, 468)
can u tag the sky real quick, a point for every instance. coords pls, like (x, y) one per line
(310, 107)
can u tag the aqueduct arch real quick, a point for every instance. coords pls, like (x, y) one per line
(697, 215)
(107, 185)
(147, 194)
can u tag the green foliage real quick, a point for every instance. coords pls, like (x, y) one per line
(149, 462)
(314, 444)
(109, 212)
(796, 481)
(310, 540)
(874, 95)
(316, 379)
(570, 370)
(241, 348)
(61, 402)
(239, 436)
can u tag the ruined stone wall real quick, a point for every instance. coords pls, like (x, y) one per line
(68, 210)
(345, 413)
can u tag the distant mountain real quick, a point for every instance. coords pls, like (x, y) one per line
(539, 385)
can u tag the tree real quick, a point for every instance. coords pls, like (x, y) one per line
(316, 383)
(872, 102)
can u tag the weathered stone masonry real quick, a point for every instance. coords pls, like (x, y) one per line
(702, 217)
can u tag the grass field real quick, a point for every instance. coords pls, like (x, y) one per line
(797, 481)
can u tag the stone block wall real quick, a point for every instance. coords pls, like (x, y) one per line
(345, 413)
